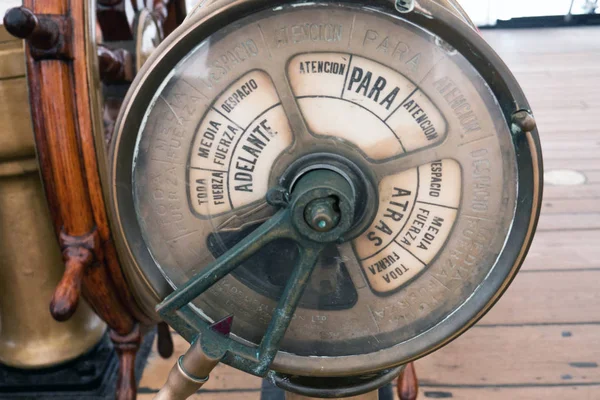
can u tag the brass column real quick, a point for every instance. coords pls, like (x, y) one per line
(30, 260)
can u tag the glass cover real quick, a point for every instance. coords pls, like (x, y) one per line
(394, 100)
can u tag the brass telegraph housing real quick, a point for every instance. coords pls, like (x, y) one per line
(402, 105)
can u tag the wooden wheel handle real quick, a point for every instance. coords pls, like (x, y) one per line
(23, 23)
(66, 296)
(408, 383)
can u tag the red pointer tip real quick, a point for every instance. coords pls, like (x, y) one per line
(223, 326)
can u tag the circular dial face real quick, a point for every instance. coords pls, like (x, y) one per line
(310, 83)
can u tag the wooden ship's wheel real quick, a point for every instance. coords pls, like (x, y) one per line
(81, 58)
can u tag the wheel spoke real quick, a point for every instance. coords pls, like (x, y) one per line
(413, 160)
(291, 107)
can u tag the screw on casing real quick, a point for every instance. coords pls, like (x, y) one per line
(523, 121)
(405, 6)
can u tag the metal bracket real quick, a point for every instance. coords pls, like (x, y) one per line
(299, 221)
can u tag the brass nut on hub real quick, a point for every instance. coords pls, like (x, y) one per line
(321, 214)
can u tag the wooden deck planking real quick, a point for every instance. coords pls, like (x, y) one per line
(576, 163)
(570, 146)
(549, 297)
(542, 339)
(558, 250)
(516, 356)
(569, 222)
(589, 191)
(593, 176)
(504, 393)
(571, 206)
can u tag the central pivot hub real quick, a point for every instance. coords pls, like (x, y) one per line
(323, 206)
(343, 172)
(322, 214)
